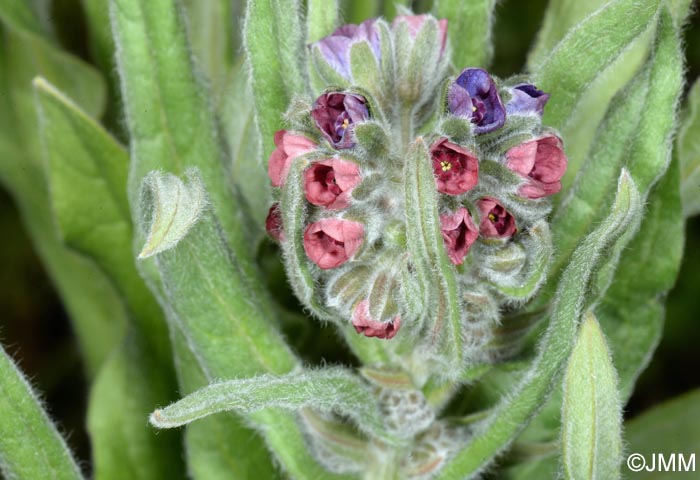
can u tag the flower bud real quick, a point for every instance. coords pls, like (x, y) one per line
(335, 48)
(415, 23)
(459, 233)
(273, 223)
(335, 113)
(456, 169)
(542, 162)
(288, 147)
(496, 221)
(474, 95)
(330, 242)
(369, 327)
(526, 98)
(328, 183)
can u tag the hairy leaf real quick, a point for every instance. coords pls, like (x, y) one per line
(669, 428)
(321, 19)
(591, 411)
(512, 413)
(30, 445)
(327, 390)
(473, 19)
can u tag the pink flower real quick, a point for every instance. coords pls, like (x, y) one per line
(459, 233)
(328, 183)
(456, 169)
(273, 223)
(364, 324)
(415, 23)
(289, 146)
(330, 242)
(496, 221)
(542, 162)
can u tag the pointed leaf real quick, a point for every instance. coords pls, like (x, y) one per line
(327, 390)
(591, 411)
(512, 414)
(30, 445)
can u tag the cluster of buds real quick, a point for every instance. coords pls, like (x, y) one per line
(342, 196)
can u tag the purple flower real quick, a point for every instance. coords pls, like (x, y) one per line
(335, 48)
(335, 114)
(474, 95)
(527, 98)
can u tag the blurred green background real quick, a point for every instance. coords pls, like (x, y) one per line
(35, 330)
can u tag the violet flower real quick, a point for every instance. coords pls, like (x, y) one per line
(474, 95)
(527, 98)
(335, 48)
(335, 113)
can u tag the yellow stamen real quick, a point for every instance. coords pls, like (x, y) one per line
(492, 217)
(473, 108)
(446, 166)
(346, 124)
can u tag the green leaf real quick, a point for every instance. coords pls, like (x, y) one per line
(213, 28)
(18, 14)
(475, 17)
(435, 272)
(632, 311)
(326, 390)
(567, 73)
(123, 394)
(636, 133)
(560, 18)
(591, 410)
(96, 311)
(669, 428)
(321, 19)
(201, 271)
(274, 44)
(689, 153)
(512, 414)
(357, 11)
(175, 128)
(30, 445)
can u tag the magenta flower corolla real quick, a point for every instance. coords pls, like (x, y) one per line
(288, 147)
(415, 23)
(459, 233)
(335, 48)
(474, 95)
(330, 242)
(336, 113)
(366, 325)
(496, 221)
(273, 222)
(526, 98)
(456, 169)
(542, 162)
(328, 183)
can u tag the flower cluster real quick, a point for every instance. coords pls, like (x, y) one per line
(341, 213)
